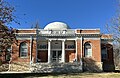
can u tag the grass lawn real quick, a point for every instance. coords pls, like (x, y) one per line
(78, 75)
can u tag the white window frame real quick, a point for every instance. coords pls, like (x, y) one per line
(88, 52)
(21, 52)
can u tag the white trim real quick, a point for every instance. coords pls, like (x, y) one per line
(36, 45)
(55, 49)
(49, 51)
(89, 33)
(25, 33)
(81, 53)
(26, 29)
(61, 39)
(56, 39)
(92, 38)
(55, 29)
(71, 39)
(62, 29)
(107, 38)
(25, 38)
(81, 46)
(76, 50)
(89, 29)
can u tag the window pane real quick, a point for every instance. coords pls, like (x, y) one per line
(23, 50)
(89, 52)
(104, 53)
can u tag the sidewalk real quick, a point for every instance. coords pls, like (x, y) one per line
(14, 72)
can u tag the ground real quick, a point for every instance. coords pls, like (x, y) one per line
(78, 75)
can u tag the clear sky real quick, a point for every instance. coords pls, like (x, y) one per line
(76, 13)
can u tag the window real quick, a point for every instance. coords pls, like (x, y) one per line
(104, 53)
(71, 46)
(23, 50)
(43, 46)
(88, 50)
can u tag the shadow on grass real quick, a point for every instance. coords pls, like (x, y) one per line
(31, 75)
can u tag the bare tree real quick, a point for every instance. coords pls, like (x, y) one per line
(114, 27)
(7, 36)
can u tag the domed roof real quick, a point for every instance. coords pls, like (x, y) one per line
(56, 26)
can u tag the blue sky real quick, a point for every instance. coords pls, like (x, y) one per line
(76, 13)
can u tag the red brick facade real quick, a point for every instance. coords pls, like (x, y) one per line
(70, 55)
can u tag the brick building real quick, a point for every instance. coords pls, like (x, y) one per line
(57, 43)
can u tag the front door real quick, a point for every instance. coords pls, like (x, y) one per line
(56, 55)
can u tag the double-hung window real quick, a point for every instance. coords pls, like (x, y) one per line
(23, 50)
(88, 50)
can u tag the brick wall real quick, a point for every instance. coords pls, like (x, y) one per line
(16, 49)
(43, 55)
(109, 52)
(96, 49)
(25, 31)
(78, 49)
(69, 55)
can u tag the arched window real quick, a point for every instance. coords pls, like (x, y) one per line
(23, 49)
(87, 50)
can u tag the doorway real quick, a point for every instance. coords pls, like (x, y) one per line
(56, 55)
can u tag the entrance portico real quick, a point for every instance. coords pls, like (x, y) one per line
(58, 50)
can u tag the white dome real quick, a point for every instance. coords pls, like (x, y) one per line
(56, 26)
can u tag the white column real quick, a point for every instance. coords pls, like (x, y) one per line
(76, 49)
(30, 50)
(81, 52)
(37, 32)
(49, 51)
(63, 50)
(81, 46)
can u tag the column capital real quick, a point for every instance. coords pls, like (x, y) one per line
(49, 40)
(63, 40)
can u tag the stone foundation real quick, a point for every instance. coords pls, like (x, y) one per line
(93, 67)
(56, 68)
(19, 66)
(108, 67)
(4, 67)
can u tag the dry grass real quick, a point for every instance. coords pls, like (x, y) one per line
(83, 75)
